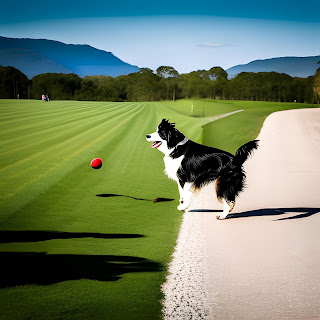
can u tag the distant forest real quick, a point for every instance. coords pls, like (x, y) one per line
(165, 84)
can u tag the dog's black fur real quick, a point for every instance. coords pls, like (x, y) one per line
(202, 164)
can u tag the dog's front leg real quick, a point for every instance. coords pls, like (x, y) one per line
(180, 191)
(185, 196)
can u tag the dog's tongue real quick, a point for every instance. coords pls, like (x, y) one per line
(156, 144)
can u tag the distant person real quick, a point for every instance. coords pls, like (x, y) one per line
(43, 97)
(46, 98)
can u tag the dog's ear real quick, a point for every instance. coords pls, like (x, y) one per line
(165, 123)
(172, 137)
(169, 139)
(168, 132)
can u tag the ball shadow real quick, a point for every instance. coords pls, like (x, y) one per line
(108, 195)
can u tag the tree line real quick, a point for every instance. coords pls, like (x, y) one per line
(164, 84)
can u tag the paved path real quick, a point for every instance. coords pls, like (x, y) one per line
(207, 120)
(263, 262)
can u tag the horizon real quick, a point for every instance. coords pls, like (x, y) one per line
(148, 37)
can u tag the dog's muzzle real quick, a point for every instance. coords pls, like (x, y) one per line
(155, 144)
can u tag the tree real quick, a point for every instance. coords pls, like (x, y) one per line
(264, 86)
(316, 85)
(58, 86)
(143, 86)
(98, 88)
(170, 74)
(167, 72)
(195, 84)
(13, 83)
(217, 73)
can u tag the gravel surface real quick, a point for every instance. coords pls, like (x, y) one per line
(184, 290)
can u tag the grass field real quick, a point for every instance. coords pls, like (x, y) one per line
(78, 243)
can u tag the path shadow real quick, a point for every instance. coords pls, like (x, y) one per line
(7, 236)
(108, 195)
(22, 268)
(301, 213)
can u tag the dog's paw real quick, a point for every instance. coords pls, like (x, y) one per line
(181, 207)
(221, 217)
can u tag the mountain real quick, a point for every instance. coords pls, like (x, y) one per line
(302, 67)
(35, 56)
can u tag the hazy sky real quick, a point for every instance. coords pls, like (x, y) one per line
(186, 35)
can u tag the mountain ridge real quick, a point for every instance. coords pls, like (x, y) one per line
(81, 59)
(293, 66)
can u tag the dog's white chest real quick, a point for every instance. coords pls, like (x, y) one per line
(172, 166)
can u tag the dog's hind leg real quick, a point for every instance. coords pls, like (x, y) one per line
(185, 196)
(227, 208)
(226, 194)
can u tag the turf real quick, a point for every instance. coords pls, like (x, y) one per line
(200, 108)
(231, 132)
(79, 243)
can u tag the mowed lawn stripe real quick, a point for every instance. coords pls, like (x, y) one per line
(51, 119)
(34, 109)
(38, 111)
(50, 133)
(79, 128)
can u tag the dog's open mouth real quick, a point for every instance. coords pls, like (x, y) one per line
(156, 144)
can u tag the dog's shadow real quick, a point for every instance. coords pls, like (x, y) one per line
(109, 195)
(301, 213)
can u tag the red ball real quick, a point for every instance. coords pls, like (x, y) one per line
(96, 163)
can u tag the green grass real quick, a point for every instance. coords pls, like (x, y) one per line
(231, 132)
(71, 253)
(200, 108)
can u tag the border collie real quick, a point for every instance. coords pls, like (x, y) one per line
(193, 165)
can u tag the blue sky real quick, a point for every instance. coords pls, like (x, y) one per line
(186, 35)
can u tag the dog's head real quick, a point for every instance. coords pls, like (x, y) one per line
(166, 137)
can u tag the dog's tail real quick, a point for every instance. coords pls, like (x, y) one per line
(232, 177)
(243, 153)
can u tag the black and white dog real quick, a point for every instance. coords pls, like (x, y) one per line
(193, 165)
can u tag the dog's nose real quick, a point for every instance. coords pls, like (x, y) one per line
(148, 136)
